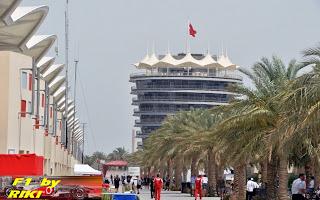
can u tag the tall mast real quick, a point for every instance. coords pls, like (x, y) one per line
(66, 72)
(74, 102)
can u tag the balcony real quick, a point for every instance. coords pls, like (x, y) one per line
(147, 122)
(218, 74)
(179, 87)
(182, 99)
(155, 112)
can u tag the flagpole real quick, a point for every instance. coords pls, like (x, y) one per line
(187, 38)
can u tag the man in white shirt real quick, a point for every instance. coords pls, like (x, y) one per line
(299, 188)
(251, 185)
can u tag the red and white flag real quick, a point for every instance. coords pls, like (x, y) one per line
(192, 31)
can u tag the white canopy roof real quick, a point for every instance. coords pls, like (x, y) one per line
(61, 108)
(52, 72)
(208, 61)
(225, 61)
(20, 27)
(7, 7)
(59, 93)
(187, 61)
(81, 169)
(39, 45)
(44, 63)
(143, 63)
(166, 61)
(55, 84)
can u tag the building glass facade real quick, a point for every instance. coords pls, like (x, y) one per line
(161, 91)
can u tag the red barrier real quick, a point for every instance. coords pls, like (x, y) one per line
(21, 165)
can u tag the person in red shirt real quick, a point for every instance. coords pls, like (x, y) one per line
(198, 188)
(158, 183)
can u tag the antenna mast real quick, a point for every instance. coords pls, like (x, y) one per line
(65, 117)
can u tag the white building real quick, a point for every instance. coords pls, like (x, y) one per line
(33, 93)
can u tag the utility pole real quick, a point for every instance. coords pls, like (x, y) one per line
(65, 117)
(83, 126)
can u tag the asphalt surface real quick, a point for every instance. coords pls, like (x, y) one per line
(172, 195)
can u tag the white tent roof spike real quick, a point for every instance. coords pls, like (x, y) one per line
(189, 60)
(166, 61)
(225, 61)
(208, 61)
(143, 63)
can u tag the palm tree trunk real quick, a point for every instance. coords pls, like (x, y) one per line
(316, 175)
(264, 171)
(271, 175)
(169, 166)
(283, 178)
(212, 181)
(194, 165)
(185, 172)
(239, 192)
(177, 174)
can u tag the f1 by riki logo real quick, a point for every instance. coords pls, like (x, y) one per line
(31, 194)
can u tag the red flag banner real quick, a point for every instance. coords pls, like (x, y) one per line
(192, 31)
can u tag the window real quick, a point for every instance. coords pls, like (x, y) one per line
(42, 100)
(23, 108)
(30, 82)
(24, 80)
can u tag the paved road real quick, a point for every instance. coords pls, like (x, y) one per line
(166, 195)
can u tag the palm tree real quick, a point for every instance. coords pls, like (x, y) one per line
(118, 154)
(255, 128)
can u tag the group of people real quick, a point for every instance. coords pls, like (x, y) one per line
(156, 186)
(134, 183)
(300, 187)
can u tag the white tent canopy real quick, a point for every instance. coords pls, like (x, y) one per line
(80, 169)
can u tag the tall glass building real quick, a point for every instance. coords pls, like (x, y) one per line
(171, 83)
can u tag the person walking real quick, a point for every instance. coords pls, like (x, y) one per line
(158, 184)
(167, 183)
(198, 187)
(139, 184)
(134, 183)
(116, 183)
(251, 186)
(152, 187)
(298, 188)
(111, 178)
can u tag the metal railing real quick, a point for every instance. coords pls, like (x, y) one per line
(175, 87)
(201, 99)
(219, 74)
(137, 110)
